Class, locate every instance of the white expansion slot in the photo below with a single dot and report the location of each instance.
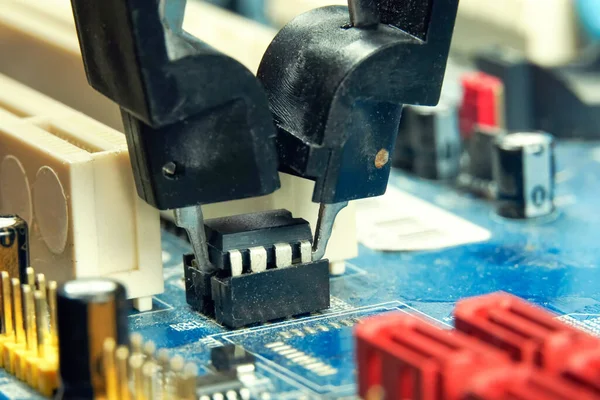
(70, 178)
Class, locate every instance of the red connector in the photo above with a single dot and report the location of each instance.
(408, 358)
(526, 332)
(483, 102)
(533, 336)
(523, 382)
(503, 348)
(583, 368)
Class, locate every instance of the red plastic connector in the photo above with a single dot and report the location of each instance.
(584, 368)
(483, 102)
(533, 336)
(523, 382)
(408, 359)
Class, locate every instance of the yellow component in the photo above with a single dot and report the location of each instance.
(48, 378)
(21, 355)
(9, 348)
(42, 373)
(31, 357)
(3, 339)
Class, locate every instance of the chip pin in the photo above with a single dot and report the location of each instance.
(149, 349)
(30, 330)
(305, 252)
(135, 364)
(17, 310)
(6, 305)
(163, 362)
(187, 383)
(283, 255)
(40, 323)
(258, 259)
(110, 373)
(122, 358)
(43, 305)
(231, 395)
(176, 365)
(245, 394)
(30, 273)
(149, 379)
(136, 343)
(41, 284)
(51, 298)
(218, 396)
(236, 262)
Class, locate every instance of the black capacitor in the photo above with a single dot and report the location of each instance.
(14, 246)
(480, 148)
(524, 172)
(89, 311)
(435, 140)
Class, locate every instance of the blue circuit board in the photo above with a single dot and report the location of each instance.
(552, 262)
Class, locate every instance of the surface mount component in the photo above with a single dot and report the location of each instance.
(234, 366)
(524, 173)
(480, 149)
(230, 358)
(28, 343)
(263, 270)
(89, 311)
(217, 386)
(502, 348)
(477, 172)
(429, 142)
(14, 245)
(69, 177)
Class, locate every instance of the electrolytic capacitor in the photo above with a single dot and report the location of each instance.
(433, 140)
(14, 246)
(89, 312)
(524, 171)
(480, 148)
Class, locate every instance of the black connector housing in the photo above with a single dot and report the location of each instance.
(273, 294)
(256, 297)
(198, 293)
(262, 229)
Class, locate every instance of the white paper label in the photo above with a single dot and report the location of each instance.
(398, 221)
